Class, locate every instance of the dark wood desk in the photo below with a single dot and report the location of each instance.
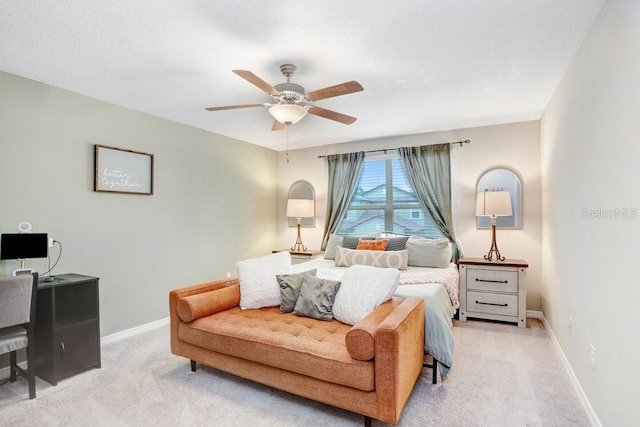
(67, 326)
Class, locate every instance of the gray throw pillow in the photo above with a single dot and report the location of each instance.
(397, 243)
(290, 285)
(423, 252)
(316, 298)
(332, 244)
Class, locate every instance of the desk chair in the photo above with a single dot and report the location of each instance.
(17, 324)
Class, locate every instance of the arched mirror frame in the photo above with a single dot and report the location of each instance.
(302, 189)
(507, 179)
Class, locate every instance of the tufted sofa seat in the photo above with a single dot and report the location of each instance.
(369, 368)
(267, 336)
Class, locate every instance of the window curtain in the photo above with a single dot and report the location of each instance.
(344, 172)
(429, 171)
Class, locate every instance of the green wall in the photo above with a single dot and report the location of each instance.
(215, 198)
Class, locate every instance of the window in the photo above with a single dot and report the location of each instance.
(384, 201)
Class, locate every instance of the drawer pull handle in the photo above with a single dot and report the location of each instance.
(62, 350)
(492, 303)
(491, 281)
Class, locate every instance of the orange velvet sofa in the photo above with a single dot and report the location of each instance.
(370, 368)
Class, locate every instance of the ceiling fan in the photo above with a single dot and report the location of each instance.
(292, 102)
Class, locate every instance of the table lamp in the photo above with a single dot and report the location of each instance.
(493, 204)
(298, 209)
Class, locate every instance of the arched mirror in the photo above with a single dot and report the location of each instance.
(502, 179)
(303, 190)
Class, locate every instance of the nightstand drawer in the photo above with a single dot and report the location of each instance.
(492, 280)
(480, 302)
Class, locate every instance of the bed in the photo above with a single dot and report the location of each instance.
(439, 289)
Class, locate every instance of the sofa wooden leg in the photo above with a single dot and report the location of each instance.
(193, 366)
(367, 421)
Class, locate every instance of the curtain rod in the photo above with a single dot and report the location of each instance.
(384, 150)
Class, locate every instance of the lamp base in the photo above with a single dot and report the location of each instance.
(494, 246)
(298, 246)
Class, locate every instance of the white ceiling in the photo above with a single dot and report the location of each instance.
(426, 65)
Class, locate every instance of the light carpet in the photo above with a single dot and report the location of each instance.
(502, 376)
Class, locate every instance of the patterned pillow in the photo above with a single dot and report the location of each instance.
(397, 243)
(316, 298)
(363, 289)
(386, 259)
(373, 245)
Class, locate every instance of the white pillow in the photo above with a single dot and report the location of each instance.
(425, 252)
(392, 259)
(257, 276)
(362, 289)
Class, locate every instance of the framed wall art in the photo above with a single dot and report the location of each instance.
(118, 170)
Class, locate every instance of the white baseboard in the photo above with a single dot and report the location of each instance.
(535, 314)
(108, 339)
(593, 417)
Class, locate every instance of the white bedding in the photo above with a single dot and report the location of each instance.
(437, 286)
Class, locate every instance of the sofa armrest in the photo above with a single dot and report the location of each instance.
(204, 304)
(177, 294)
(360, 339)
(399, 343)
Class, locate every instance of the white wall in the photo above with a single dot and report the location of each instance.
(214, 201)
(516, 146)
(590, 156)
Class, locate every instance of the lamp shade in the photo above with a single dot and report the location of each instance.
(493, 203)
(299, 208)
(288, 114)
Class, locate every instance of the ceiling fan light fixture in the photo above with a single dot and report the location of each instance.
(288, 114)
(292, 101)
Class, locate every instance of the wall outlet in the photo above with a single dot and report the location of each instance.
(593, 357)
(50, 243)
(570, 324)
(228, 274)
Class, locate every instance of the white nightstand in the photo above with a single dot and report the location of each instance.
(493, 290)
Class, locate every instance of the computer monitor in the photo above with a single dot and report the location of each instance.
(24, 245)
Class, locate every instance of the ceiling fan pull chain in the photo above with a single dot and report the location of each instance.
(286, 153)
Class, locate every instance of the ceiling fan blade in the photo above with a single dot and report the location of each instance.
(257, 81)
(277, 125)
(332, 115)
(233, 107)
(337, 90)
